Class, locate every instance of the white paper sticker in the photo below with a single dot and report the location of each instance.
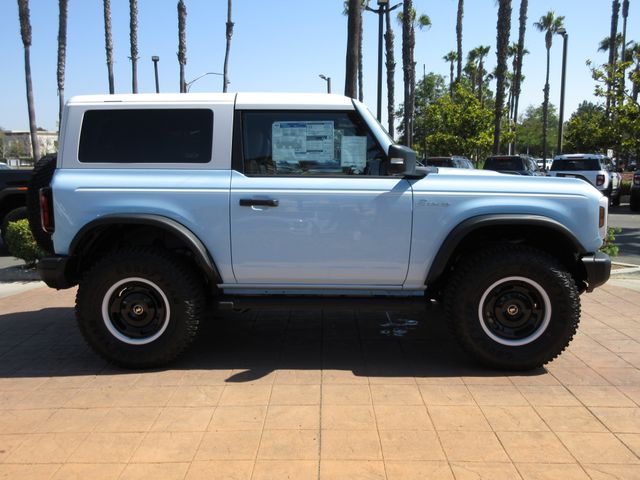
(354, 153)
(303, 140)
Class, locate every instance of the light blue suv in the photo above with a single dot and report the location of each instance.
(162, 206)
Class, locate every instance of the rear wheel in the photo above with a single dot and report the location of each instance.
(140, 307)
(512, 307)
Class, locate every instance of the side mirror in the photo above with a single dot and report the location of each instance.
(402, 161)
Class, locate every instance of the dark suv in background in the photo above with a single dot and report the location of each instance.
(634, 200)
(513, 164)
(449, 162)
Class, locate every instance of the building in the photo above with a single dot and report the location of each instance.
(17, 144)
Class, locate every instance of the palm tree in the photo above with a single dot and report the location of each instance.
(517, 78)
(450, 57)
(182, 43)
(62, 53)
(625, 14)
(549, 24)
(353, 46)
(613, 51)
(482, 52)
(502, 44)
(410, 20)
(634, 49)
(108, 43)
(229, 32)
(391, 71)
(25, 32)
(459, 37)
(133, 37)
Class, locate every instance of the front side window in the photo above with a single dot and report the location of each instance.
(146, 136)
(309, 143)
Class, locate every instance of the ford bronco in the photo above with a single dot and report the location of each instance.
(161, 207)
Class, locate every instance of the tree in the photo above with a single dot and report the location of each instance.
(108, 44)
(229, 33)
(586, 129)
(62, 54)
(502, 43)
(25, 32)
(456, 125)
(353, 46)
(634, 76)
(450, 57)
(613, 50)
(182, 43)
(133, 37)
(410, 20)
(625, 15)
(530, 137)
(389, 38)
(549, 24)
(459, 37)
(517, 78)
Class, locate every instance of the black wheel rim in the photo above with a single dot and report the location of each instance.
(515, 311)
(135, 311)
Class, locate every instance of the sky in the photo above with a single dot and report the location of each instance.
(278, 46)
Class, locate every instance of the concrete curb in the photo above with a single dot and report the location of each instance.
(627, 270)
(18, 274)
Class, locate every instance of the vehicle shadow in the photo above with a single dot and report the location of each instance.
(254, 344)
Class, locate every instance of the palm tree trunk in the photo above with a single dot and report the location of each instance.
(391, 71)
(360, 79)
(613, 50)
(451, 79)
(25, 32)
(625, 14)
(108, 44)
(351, 68)
(502, 42)
(459, 37)
(133, 37)
(182, 43)
(524, 4)
(229, 34)
(408, 67)
(62, 54)
(545, 113)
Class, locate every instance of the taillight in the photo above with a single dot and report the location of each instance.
(46, 210)
(600, 180)
(636, 179)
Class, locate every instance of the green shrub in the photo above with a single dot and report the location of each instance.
(625, 187)
(609, 247)
(21, 244)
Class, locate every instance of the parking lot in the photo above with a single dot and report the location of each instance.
(331, 395)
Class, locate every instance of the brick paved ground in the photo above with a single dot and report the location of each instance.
(301, 395)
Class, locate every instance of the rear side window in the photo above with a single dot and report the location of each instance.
(146, 136)
(504, 163)
(575, 164)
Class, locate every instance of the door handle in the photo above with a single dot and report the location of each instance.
(258, 202)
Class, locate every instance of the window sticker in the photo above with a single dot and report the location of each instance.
(303, 141)
(354, 153)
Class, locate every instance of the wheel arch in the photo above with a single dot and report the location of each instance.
(538, 231)
(96, 235)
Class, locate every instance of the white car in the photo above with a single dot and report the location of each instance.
(594, 168)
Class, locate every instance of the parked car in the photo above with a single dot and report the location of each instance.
(160, 214)
(634, 199)
(513, 164)
(449, 162)
(594, 168)
(13, 196)
(632, 165)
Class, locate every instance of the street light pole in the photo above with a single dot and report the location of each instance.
(155, 59)
(328, 80)
(565, 39)
(383, 6)
(188, 84)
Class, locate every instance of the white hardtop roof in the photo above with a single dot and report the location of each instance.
(242, 100)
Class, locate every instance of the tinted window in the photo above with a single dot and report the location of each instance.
(575, 164)
(146, 136)
(309, 143)
(440, 162)
(504, 163)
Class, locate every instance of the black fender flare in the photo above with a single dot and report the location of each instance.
(201, 255)
(470, 225)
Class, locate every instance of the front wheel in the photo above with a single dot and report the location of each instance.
(139, 307)
(512, 307)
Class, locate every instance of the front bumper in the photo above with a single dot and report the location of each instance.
(57, 272)
(598, 269)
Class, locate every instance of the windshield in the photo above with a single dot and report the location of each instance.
(575, 164)
(378, 130)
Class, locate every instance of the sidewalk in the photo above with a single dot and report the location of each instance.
(308, 395)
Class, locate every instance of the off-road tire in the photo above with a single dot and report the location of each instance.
(14, 215)
(40, 178)
(150, 278)
(476, 322)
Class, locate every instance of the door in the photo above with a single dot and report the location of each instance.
(313, 205)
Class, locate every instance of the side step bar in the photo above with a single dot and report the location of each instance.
(288, 302)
